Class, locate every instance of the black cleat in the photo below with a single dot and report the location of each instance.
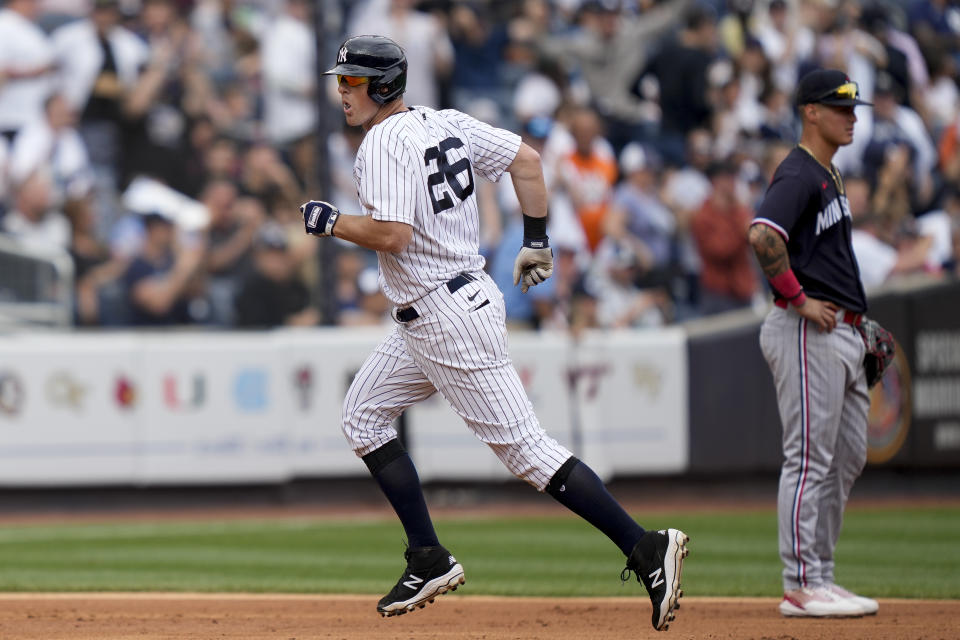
(657, 559)
(430, 572)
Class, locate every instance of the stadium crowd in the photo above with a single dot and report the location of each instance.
(659, 125)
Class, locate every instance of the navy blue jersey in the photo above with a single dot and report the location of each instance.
(808, 207)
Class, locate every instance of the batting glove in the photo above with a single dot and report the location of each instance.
(533, 265)
(319, 217)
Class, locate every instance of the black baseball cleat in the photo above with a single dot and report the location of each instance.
(430, 572)
(657, 559)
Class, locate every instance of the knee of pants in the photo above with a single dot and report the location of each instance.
(534, 459)
(365, 427)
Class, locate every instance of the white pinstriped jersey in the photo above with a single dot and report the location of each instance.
(419, 167)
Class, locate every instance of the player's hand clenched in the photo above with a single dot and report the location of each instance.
(319, 217)
(532, 266)
(819, 312)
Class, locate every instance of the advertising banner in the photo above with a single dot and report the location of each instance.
(317, 367)
(213, 409)
(632, 392)
(70, 408)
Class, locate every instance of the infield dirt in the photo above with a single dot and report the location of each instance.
(453, 617)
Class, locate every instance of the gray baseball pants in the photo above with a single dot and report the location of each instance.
(823, 401)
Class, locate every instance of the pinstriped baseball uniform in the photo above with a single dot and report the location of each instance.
(419, 167)
(819, 377)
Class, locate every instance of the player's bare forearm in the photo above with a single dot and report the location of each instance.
(770, 249)
(378, 235)
(527, 175)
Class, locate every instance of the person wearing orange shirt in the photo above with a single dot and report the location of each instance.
(588, 174)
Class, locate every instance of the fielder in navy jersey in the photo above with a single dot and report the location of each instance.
(416, 173)
(802, 238)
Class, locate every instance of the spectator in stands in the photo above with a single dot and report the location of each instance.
(163, 282)
(171, 90)
(588, 173)
(719, 229)
(226, 30)
(100, 62)
(221, 160)
(478, 80)
(27, 66)
(32, 221)
(896, 124)
(620, 303)
(843, 44)
(233, 226)
(638, 218)
(288, 54)
(264, 176)
(934, 23)
(905, 61)
(342, 148)
(878, 259)
(425, 41)
(787, 42)
(96, 271)
(680, 67)
(684, 192)
(891, 179)
(271, 293)
(51, 143)
(608, 50)
(359, 299)
(941, 101)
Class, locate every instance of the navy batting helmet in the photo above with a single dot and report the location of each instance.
(375, 57)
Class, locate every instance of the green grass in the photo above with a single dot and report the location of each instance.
(902, 552)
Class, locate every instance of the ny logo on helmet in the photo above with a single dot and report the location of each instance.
(342, 56)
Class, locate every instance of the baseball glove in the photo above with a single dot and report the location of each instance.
(880, 350)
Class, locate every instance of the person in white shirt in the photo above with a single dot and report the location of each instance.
(32, 222)
(52, 143)
(26, 66)
(878, 260)
(98, 58)
(100, 65)
(288, 52)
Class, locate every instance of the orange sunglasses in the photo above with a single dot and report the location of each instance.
(353, 81)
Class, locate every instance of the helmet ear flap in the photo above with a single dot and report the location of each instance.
(390, 85)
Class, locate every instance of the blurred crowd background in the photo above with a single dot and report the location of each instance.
(659, 125)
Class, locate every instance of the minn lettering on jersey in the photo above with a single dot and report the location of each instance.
(834, 213)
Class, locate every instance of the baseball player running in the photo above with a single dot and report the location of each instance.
(801, 236)
(416, 172)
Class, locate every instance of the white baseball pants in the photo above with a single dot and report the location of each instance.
(457, 346)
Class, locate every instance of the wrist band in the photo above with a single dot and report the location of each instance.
(787, 286)
(534, 228)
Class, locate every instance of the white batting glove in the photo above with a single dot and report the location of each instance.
(532, 266)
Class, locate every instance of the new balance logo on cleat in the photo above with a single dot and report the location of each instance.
(657, 560)
(431, 571)
(413, 582)
(658, 580)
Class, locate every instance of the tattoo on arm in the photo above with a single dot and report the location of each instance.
(771, 250)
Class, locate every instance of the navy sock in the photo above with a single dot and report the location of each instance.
(393, 470)
(578, 488)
